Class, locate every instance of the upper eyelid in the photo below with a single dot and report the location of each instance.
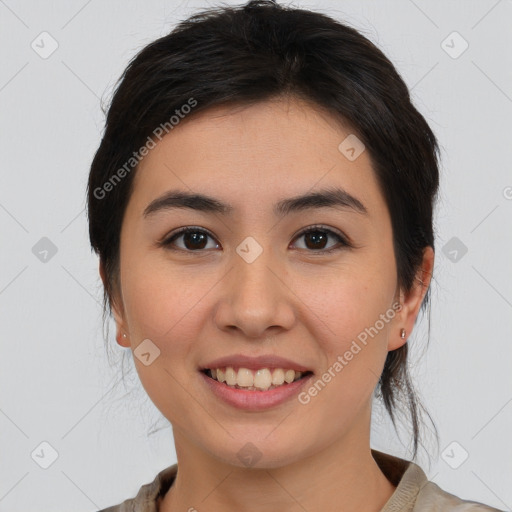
(183, 230)
(321, 227)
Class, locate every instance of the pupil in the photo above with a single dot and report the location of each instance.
(194, 239)
(316, 236)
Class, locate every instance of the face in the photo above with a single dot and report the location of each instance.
(251, 281)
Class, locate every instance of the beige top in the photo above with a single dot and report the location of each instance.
(413, 493)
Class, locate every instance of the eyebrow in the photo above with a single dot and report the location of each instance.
(333, 197)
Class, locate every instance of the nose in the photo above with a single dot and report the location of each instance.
(256, 299)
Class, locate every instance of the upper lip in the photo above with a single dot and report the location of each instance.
(255, 363)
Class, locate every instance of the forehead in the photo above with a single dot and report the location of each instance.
(249, 154)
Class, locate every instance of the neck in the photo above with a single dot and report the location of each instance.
(343, 476)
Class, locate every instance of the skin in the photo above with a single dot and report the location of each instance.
(291, 301)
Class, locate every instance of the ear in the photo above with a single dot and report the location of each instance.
(411, 301)
(118, 314)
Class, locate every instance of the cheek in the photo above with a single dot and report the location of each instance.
(164, 306)
(353, 358)
(354, 296)
(161, 299)
(359, 327)
(358, 312)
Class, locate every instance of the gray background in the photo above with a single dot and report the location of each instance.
(56, 385)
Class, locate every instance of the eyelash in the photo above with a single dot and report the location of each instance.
(167, 242)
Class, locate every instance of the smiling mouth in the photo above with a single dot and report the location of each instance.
(263, 379)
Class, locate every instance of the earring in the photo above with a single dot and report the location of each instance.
(402, 333)
(124, 335)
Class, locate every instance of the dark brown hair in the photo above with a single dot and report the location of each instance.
(256, 52)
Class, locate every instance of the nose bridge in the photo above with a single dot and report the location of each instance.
(255, 299)
(253, 279)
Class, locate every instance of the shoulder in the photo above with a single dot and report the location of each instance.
(147, 496)
(432, 497)
(416, 493)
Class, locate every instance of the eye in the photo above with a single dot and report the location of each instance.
(316, 237)
(194, 239)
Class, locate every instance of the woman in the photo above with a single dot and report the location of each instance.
(261, 203)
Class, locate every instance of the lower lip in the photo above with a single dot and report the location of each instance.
(255, 400)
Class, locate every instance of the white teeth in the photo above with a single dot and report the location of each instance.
(245, 378)
(230, 376)
(278, 377)
(262, 379)
(289, 375)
